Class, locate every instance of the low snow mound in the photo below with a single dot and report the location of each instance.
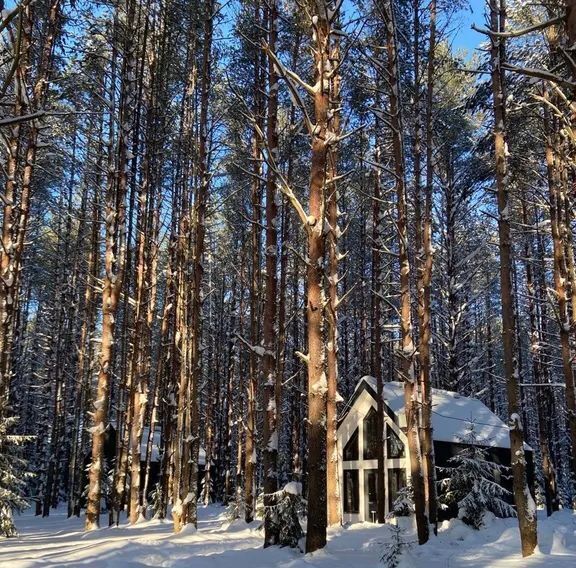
(293, 488)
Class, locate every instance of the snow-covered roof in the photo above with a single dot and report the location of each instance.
(451, 413)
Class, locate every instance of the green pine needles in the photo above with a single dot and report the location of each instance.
(14, 477)
(472, 483)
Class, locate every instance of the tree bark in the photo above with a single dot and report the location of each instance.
(332, 279)
(114, 265)
(556, 189)
(525, 507)
(538, 371)
(407, 350)
(272, 382)
(315, 309)
(424, 290)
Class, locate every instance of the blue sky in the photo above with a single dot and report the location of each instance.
(465, 37)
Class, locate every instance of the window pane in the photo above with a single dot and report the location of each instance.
(371, 435)
(351, 448)
(351, 491)
(395, 447)
(371, 493)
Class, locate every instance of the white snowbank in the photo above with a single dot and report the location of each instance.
(57, 541)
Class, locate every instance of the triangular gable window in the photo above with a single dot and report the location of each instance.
(351, 448)
(371, 435)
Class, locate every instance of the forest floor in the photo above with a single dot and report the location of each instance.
(58, 541)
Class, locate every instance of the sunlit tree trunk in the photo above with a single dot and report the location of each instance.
(424, 289)
(272, 381)
(332, 280)
(406, 350)
(114, 266)
(525, 507)
(556, 188)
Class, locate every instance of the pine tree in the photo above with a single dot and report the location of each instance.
(14, 476)
(472, 483)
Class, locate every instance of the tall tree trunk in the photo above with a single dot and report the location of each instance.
(333, 258)
(377, 321)
(555, 187)
(525, 507)
(201, 203)
(538, 372)
(323, 143)
(407, 350)
(250, 451)
(179, 436)
(114, 265)
(424, 290)
(83, 364)
(272, 382)
(146, 227)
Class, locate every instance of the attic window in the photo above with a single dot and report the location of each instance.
(371, 435)
(351, 448)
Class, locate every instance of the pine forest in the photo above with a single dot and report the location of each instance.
(280, 277)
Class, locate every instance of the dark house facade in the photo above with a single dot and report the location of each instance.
(358, 437)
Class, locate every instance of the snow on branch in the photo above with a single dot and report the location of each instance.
(539, 74)
(257, 349)
(523, 31)
(11, 120)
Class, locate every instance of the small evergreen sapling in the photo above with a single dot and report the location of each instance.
(403, 505)
(157, 498)
(471, 483)
(392, 551)
(285, 511)
(14, 477)
(235, 508)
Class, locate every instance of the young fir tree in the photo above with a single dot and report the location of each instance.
(472, 484)
(403, 505)
(13, 477)
(283, 513)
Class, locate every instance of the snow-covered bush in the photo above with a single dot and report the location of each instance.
(392, 551)
(471, 483)
(206, 491)
(403, 505)
(284, 511)
(259, 509)
(157, 498)
(14, 477)
(235, 508)
(540, 495)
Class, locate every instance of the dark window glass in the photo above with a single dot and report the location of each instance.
(351, 448)
(371, 493)
(396, 480)
(351, 491)
(371, 435)
(395, 446)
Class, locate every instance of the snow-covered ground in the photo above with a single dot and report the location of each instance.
(58, 541)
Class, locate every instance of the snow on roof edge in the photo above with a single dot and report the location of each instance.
(450, 412)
